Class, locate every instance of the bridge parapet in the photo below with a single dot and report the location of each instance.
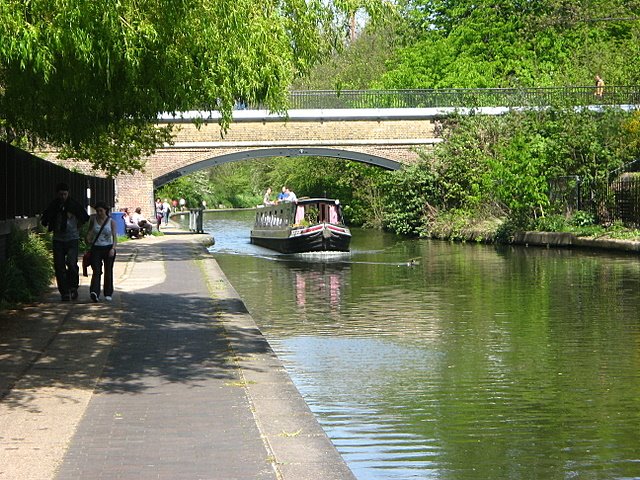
(460, 97)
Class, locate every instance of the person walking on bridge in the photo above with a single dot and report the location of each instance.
(599, 93)
(64, 216)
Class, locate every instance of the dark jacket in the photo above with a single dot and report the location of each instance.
(54, 217)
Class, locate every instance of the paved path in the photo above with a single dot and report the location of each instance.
(172, 380)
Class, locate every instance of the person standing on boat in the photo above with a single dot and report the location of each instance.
(266, 200)
(290, 196)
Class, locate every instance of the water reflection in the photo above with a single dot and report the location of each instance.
(323, 284)
(474, 363)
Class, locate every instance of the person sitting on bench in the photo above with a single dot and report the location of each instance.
(131, 229)
(142, 222)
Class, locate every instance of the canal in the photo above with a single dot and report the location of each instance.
(428, 359)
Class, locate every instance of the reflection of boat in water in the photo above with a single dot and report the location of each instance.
(310, 225)
(318, 285)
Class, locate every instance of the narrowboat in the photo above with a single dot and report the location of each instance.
(308, 225)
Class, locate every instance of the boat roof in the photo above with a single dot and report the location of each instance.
(316, 200)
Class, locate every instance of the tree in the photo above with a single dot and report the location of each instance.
(502, 43)
(84, 75)
(358, 66)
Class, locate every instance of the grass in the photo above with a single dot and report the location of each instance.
(462, 226)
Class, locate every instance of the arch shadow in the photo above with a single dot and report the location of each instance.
(278, 152)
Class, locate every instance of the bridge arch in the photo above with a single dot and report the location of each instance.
(213, 161)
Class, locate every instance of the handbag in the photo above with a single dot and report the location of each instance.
(86, 258)
(86, 261)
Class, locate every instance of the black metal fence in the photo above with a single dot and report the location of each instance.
(625, 193)
(618, 199)
(27, 184)
(461, 97)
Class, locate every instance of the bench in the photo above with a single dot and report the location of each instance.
(133, 231)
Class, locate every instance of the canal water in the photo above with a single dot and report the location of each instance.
(428, 359)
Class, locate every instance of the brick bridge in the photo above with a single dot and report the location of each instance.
(388, 138)
(384, 128)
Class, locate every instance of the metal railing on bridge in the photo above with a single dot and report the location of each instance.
(460, 97)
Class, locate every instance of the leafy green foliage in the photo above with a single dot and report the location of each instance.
(550, 223)
(194, 188)
(497, 167)
(121, 148)
(88, 75)
(519, 173)
(504, 43)
(28, 271)
(412, 196)
(359, 66)
(582, 218)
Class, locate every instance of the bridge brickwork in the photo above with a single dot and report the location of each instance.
(374, 137)
(205, 145)
(198, 147)
(307, 130)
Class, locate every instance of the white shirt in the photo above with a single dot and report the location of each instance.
(106, 235)
(137, 218)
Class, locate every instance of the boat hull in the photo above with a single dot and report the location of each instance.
(324, 238)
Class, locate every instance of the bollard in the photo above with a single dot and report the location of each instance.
(195, 220)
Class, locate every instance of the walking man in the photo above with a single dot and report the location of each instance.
(599, 87)
(64, 216)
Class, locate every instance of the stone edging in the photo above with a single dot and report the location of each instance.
(559, 239)
(299, 446)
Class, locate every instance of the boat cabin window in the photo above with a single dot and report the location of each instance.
(319, 212)
(333, 214)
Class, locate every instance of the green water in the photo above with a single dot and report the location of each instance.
(472, 362)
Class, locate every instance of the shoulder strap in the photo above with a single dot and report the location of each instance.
(99, 231)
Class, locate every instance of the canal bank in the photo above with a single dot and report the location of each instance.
(569, 240)
(171, 380)
(414, 368)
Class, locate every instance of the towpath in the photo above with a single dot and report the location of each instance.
(172, 380)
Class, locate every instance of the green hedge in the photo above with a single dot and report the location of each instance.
(28, 270)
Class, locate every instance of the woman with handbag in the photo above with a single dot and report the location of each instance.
(103, 237)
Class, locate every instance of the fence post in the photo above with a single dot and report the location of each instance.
(579, 191)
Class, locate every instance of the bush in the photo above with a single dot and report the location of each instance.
(411, 195)
(582, 219)
(13, 286)
(28, 271)
(551, 223)
(506, 231)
